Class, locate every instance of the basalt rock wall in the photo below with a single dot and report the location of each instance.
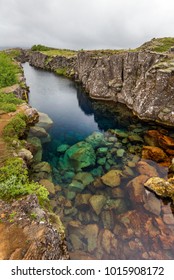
(144, 81)
(52, 63)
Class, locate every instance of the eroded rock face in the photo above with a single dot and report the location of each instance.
(26, 233)
(135, 79)
(43, 61)
(141, 80)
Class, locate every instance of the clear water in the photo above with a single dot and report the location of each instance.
(122, 228)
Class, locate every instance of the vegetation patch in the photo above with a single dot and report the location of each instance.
(8, 102)
(158, 44)
(14, 182)
(8, 70)
(52, 51)
(40, 48)
(61, 71)
(15, 128)
(60, 52)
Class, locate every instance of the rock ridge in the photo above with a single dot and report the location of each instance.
(143, 80)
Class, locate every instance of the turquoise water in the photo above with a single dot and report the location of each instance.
(123, 221)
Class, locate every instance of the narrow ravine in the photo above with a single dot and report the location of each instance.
(97, 168)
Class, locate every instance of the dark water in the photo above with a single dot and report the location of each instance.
(74, 115)
(121, 222)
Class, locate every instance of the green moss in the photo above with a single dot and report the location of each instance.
(15, 128)
(61, 71)
(10, 98)
(8, 70)
(8, 102)
(60, 52)
(40, 48)
(14, 182)
(52, 51)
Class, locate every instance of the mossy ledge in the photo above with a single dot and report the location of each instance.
(142, 78)
(24, 203)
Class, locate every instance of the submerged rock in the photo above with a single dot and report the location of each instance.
(135, 138)
(62, 148)
(44, 121)
(107, 218)
(120, 152)
(42, 167)
(112, 178)
(84, 177)
(146, 169)
(136, 189)
(38, 132)
(48, 185)
(153, 204)
(97, 202)
(154, 153)
(97, 172)
(41, 170)
(76, 186)
(35, 147)
(91, 234)
(96, 139)
(119, 133)
(118, 205)
(80, 155)
(82, 201)
(157, 139)
(162, 187)
(108, 241)
(101, 161)
(102, 150)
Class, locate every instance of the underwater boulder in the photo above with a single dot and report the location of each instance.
(112, 178)
(96, 139)
(80, 155)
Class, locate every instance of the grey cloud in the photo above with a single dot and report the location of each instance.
(84, 24)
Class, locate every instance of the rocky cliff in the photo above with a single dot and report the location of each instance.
(27, 234)
(141, 79)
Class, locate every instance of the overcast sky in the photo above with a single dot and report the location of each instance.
(87, 24)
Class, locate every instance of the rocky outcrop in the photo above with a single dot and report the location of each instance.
(142, 80)
(53, 63)
(27, 234)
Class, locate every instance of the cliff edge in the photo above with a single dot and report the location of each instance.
(143, 78)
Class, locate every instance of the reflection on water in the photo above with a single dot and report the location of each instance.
(99, 174)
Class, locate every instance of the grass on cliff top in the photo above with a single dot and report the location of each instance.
(158, 44)
(15, 128)
(53, 52)
(8, 70)
(8, 102)
(14, 182)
